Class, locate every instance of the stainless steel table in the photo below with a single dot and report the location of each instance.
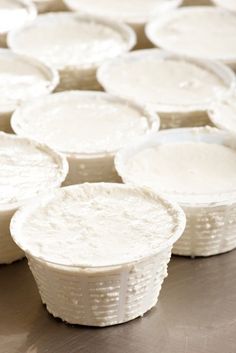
(196, 313)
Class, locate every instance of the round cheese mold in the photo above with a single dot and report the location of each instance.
(21, 78)
(226, 4)
(214, 33)
(87, 127)
(99, 252)
(27, 169)
(73, 44)
(49, 5)
(135, 13)
(14, 14)
(197, 168)
(223, 114)
(178, 88)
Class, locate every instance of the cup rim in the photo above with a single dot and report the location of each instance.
(128, 34)
(50, 74)
(219, 69)
(155, 24)
(151, 117)
(61, 161)
(179, 220)
(181, 134)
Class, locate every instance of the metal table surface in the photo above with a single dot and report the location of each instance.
(196, 313)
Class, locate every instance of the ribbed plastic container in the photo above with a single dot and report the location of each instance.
(170, 42)
(137, 21)
(172, 115)
(103, 296)
(9, 251)
(211, 218)
(15, 62)
(49, 5)
(80, 76)
(21, 20)
(83, 166)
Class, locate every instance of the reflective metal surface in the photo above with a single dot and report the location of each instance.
(196, 313)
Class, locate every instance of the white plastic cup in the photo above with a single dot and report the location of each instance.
(31, 14)
(102, 296)
(85, 167)
(73, 76)
(9, 251)
(211, 225)
(51, 81)
(137, 23)
(171, 115)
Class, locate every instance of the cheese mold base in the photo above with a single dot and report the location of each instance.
(196, 168)
(114, 262)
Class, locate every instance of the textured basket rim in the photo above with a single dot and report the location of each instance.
(179, 220)
(50, 74)
(204, 200)
(127, 33)
(219, 69)
(59, 159)
(155, 24)
(152, 118)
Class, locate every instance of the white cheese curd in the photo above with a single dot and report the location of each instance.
(21, 78)
(98, 252)
(135, 13)
(84, 125)
(14, 14)
(72, 42)
(223, 114)
(227, 4)
(167, 83)
(27, 169)
(197, 168)
(200, 32)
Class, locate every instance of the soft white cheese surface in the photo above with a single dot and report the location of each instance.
(204, 32)
(97, 225)
(13, 14)
(86, 122)
(162, 81)
(20, 80)
(66, 39)
(185, 168)
(227, 4)
(130, 11)
(26, 169)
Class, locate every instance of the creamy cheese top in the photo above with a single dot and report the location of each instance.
(162, 80)
(130, 11)
(66, 39)
(83, 122)
(223, 114)
(14, 13)
(203, 32)
(27, 168)
(21, 79)
(97, 225)
(185, 168)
